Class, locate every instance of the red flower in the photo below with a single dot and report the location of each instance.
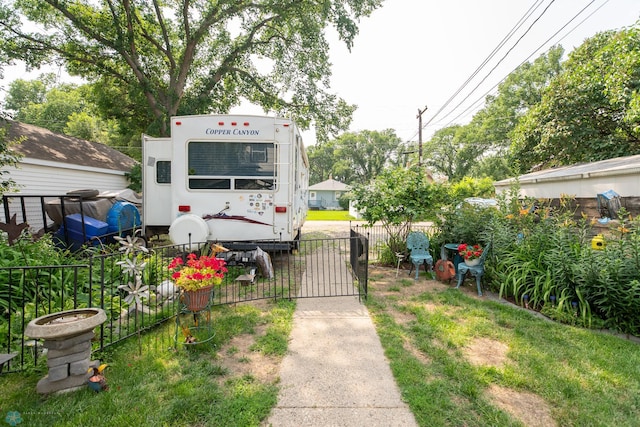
(469, 252)
(196, 272)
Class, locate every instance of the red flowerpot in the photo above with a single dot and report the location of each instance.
(199, 299)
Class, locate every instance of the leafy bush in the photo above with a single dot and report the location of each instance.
(397, 198)
(464, 223)
(471, 187)
(45, 283)
(545, 254)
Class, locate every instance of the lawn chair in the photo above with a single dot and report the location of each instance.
(476, 270)
(418, 246)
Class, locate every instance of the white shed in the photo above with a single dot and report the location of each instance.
(585, 180)
(54, 164)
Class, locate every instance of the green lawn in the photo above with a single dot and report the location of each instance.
(329, 216)
(568, 376)
(201, 385)
(460, 360)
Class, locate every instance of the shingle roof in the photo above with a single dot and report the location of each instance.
(42, 144)
(618, 165)
(329, 185)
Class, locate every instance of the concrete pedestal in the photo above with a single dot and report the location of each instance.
(67, 337)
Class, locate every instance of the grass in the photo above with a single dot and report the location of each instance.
(164, 386)
(329, 216)
(430, 331)
(581, 377)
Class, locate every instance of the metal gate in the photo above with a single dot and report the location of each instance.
(333, 267)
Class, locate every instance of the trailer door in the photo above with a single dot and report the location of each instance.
(156, 181)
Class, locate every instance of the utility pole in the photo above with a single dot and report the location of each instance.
(420, 134)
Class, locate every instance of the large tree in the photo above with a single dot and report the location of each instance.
(53, 113)
(69, 109)
(452, 152)
(21, 93)
(480, 147)
(8, 157)
(521, 90)
(155, 59)
(355, 157)
(361, 156)
(321, 160)
(591, 111)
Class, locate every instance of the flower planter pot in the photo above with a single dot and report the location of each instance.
(472, 262)
(199, 299)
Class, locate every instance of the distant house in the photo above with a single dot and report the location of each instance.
(326, 194)
(54, 164)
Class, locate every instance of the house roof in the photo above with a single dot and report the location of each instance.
(329, 185)
(616, 166)
(42, 144)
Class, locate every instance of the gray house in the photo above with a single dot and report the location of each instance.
(326, 194)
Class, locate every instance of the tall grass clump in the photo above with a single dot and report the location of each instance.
(541, 257)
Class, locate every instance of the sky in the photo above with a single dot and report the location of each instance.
(416, 55)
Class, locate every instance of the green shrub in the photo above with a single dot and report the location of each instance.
(543, 253)
(46, 283)
(611, 278)
(465, 223)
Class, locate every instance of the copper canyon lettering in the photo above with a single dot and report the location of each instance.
(237, 132)
(210, 131)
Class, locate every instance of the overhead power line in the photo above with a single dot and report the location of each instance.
(505, 55)
(521, 21)
(527, 14)
(518, 25)
(482, 97)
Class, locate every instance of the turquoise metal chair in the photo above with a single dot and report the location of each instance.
(477, 270)
(418, 246)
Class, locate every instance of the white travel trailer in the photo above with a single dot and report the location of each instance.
(226, 178)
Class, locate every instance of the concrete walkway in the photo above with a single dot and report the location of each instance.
(335, 372)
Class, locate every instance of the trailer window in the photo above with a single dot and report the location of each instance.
(163, 172)
(248, 165)
(253, 184)
(211, 184)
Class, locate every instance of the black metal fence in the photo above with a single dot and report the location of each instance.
(137, 300)
(387, 239)
(67, 217)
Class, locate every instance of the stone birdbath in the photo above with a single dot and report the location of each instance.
(67, 337)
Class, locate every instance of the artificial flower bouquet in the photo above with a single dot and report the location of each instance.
(197, 272)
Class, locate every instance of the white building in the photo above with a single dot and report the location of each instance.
(585, 180)
(54, 164)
